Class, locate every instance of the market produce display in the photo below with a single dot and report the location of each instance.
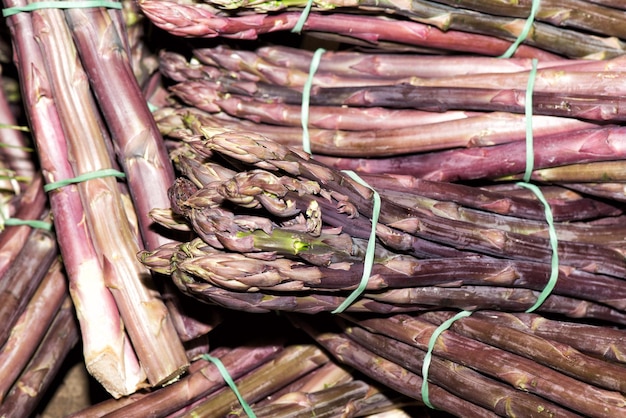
(330, 209)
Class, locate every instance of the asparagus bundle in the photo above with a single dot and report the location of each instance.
(312, 240)
(436, 24)
(402, 341)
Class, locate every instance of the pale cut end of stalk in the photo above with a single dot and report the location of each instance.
(109, 356)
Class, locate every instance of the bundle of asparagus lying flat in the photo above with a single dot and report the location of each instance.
(395, 114)
(305, 250)
(487, 28)
(280, 231)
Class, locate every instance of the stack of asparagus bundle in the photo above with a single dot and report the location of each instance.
(442, 140)
(221, 204)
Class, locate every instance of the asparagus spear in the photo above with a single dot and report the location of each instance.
(579, 14)
(570, 43)
(29, 329)
(594, 339)
(350, 63)
(139, 144)
(44, 366)
(461, 164)
(509, 201)
(21, 281)
(30, 204)
(197, 385)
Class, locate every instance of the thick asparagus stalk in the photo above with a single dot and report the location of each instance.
(197, 385)
(506, 202)
(145, 316)
(30, 327)
(604, 341)
(39, 375)
(354, 64)
(21, 281)
(578, 14)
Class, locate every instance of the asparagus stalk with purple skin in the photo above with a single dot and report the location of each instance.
(32, 263)
(607, 342)
(497, 200)
(579, 14)
(244, 187)
(565, 150)
(608, 190)
(608, 234)
(355, 64)
(145, 316)
(193, 20)
(565, 76)
(30, 327)
(40, 373)
(30, 204)
(566, 42)
(197, 385)
(470, 131)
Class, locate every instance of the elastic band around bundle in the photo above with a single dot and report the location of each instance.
(368, 261)
(229, 381)
(10, 11)
(525, 31)
(107, 172)
(306, 99)
(429, 353)
(47, 226)
(554, 244)
(303, 17)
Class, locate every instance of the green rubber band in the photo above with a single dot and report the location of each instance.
(10, 11)
(368, 261)
(306, 99)
(431, 345)
(28, 222)
(229, 381)
(525, 31)
(554, 273)
(528, 111)
(107, 172)
(303, 17)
